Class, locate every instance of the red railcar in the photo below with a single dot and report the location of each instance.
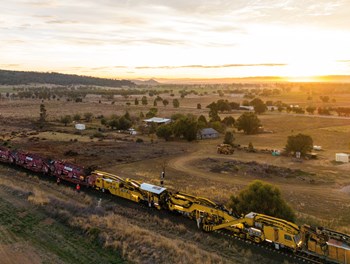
(69, 172)
(6, 155)
(31, 161)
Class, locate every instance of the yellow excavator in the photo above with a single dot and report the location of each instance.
(199, 208)
(259, 227)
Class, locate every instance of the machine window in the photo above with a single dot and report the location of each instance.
(288, 237)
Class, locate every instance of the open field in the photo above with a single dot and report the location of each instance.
(318, 190)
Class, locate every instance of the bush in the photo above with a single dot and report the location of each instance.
(263, 198)
(299, 143)
(249, 123)
(139, 140)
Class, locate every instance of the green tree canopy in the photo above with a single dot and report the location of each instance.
(229, 138)
(67, 119)
(259, 106)
(176, 103)
(248, 122)
(144, 100)
(229, 121)
(263, 198)
(164, 131)
(299, 143)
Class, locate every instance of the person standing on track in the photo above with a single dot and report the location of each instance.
(77, 187)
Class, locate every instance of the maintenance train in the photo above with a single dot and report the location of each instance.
(322, 243)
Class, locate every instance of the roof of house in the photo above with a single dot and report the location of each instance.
(157, 120)
(208, 131)
(152, 188)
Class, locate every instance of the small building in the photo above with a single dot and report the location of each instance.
(246, 107)
(80, 126)
(206, 133)
(342, 157)
(157, 120)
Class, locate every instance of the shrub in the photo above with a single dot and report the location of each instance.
(264, 198)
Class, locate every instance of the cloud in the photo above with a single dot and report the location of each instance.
(213, 66)
(10, 65)
(62, 22)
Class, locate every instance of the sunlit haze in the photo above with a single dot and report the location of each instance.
(177, 39)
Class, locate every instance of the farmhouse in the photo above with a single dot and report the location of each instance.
(157, 120)
(206, 133)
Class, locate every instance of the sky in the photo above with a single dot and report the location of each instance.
(134, 39)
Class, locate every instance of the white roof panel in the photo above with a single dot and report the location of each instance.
(152, 188)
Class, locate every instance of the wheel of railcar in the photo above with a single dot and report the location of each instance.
(257, 239)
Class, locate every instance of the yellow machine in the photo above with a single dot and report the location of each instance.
(259, 227)
(149, 194)
(327, 243)
(199, 208)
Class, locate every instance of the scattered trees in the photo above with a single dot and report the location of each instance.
(299, 143)
(183, 127)
(249, 123)
(264, 198)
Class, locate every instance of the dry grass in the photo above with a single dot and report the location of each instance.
(38, 197)
(140, 245)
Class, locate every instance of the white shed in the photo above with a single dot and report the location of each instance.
(342, 157)
(80, 126)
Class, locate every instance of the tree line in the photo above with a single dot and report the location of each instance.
(26, 77)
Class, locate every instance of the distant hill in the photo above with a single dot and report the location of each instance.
(150, 82)
(26, 77)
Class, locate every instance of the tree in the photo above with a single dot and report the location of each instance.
(43, 114)
(214, 116)
(229, 121)
(186, 127)
(202, 119)
(165, 102)
(263, 198)
(152, 112)
(199, 106)
(324, 99)
(136, 101)
(88, 117)
(176, 103)
(144, 100)
(310, 109)
(67, 119)
(259, 106)
(77, 117)
(124, 123)
(249, 123)
(155, 102)
(299, 143)
(229, 138)
(164, 131)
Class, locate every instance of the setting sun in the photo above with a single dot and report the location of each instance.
(177, 39)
